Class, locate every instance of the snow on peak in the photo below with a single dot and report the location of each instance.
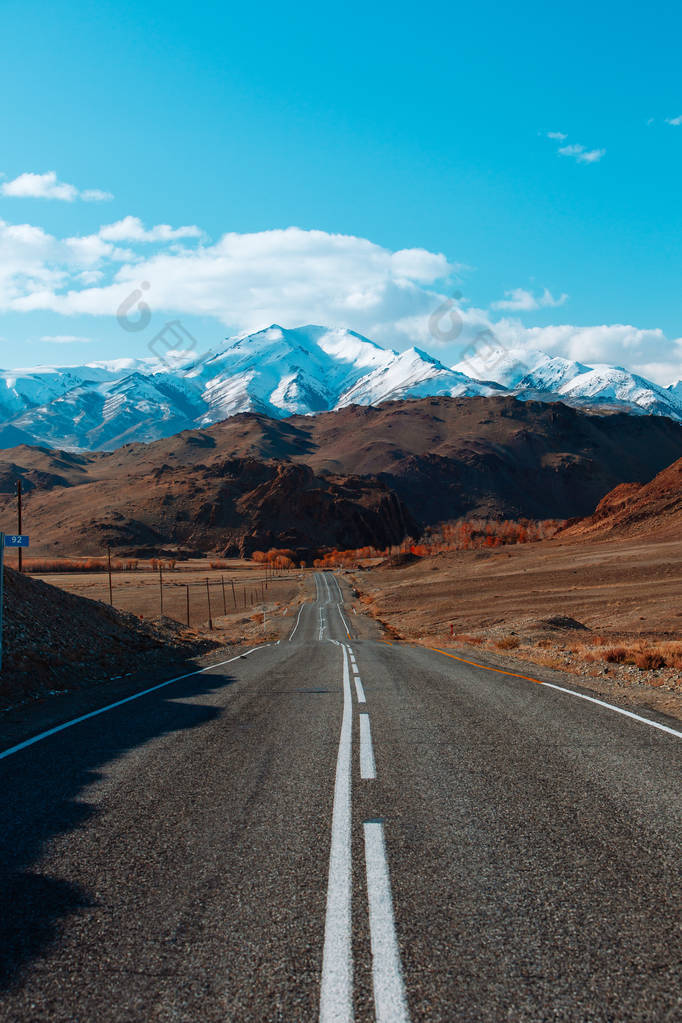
(505, 366)
(281, 371)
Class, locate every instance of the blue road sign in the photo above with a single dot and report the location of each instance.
(16, 541)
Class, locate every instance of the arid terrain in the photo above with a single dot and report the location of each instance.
(61, 635)
(237, 590)
(358, 476)
(606, 611)
(601, 599)
(638, 510)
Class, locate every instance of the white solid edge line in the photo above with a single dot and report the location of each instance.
(336, 989)
(119, 703)
(300, 610)
(343, 619)
(593, 699)
(390, 1003)
(359, 689)
(368, 768)
(610, 706)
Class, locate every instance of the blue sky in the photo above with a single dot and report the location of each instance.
(373, 130)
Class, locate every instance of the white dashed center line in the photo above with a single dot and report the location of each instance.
(367, 765)
(390, 1003)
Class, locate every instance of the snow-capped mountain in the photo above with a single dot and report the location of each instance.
(413, 374)
(276, 371)
(280, 372)
(535, 375)
(613, 385)
(520, 368)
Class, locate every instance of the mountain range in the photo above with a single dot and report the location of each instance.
(361, 475)
(281, 372)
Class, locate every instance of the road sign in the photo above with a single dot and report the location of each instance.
(16, 541)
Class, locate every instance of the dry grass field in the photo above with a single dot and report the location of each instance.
(609, 611)
(244, 603)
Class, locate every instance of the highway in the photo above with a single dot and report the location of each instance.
(343, 828)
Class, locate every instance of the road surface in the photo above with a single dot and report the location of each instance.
(338, 828)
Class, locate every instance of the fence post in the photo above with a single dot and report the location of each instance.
(161, 586)
(222, 580)
(208, 595)
(187, 585)
(234, 594)
(111, 592)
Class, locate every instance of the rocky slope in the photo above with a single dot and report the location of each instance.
(360, 476)
(56, 641)
(651, 509)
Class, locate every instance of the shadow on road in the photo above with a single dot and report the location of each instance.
(40, 800)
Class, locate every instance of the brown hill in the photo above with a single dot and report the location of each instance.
(57, 640)
(145, 505)
(651, 509)
(350, 478)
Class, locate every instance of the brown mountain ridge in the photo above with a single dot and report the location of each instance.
(651, 509)
(358, 476)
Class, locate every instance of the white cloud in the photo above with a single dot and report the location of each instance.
(65, 339)
(90, 277)
(557, 136)
(96, 195)
(243, 280)
(520, 300)
(47, 186)
(420, 265)
(645, 351)
(675, 121)
(581, 154)
(131, 229)
(294, 276)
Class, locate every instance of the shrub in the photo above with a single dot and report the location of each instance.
(508, 643)
(649, 660)
(464, 637)
(616, 655)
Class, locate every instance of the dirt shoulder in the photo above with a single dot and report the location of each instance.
(66, 655)
(601, 615)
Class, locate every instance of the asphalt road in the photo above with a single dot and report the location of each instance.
(338, 828)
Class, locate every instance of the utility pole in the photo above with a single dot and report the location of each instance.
(2, 590)
(208, 595)
(111, 590)
(20, 552)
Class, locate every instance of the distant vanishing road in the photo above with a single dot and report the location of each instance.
(338, 828)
